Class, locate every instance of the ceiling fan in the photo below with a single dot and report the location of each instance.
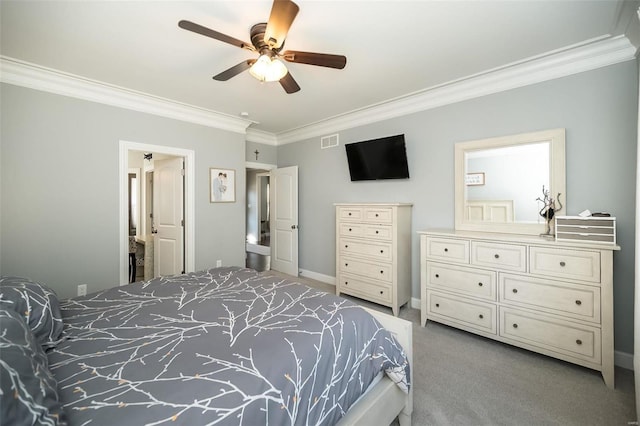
(267, 39)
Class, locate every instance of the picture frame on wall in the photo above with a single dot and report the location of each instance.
(474, 179)
(222, 185)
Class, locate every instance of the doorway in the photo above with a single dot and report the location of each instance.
(272, 218)
(146, 177)
(258, 233)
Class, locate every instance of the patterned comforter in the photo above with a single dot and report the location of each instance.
(225, 346)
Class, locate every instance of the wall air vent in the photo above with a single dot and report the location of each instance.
(329, 141)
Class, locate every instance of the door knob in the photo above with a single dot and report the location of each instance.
(294, 226)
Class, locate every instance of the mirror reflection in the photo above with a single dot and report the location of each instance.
(499, 181)
(489, 190)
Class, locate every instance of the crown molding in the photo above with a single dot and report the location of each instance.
(20, 73)
(260, 136)
(569, 61)
(555, 65)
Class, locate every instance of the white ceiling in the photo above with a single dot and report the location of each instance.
(393, 48)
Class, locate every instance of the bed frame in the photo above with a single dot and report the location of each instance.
(386, 401)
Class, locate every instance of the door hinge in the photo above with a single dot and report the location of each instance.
(182, 172)
(182, 222)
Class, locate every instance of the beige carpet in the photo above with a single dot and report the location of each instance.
(464, 379)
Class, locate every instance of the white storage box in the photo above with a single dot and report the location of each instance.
(586, 229)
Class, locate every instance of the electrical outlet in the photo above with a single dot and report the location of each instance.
(82, 290)
(218, 263)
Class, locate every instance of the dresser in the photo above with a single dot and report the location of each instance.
(551, 297)
(373, 252)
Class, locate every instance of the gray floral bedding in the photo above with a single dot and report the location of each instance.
(225, 346)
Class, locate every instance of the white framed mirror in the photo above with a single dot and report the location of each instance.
(498, 181)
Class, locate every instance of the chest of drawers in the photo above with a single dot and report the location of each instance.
(373, 252)
(551, 297)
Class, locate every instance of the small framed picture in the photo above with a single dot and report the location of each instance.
(222, 185)
(472, 179)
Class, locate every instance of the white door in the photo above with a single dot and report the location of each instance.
(168, 241)
(284, 220)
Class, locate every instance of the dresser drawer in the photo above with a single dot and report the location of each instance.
(359, 287)
(511, 257)
(470, 313)
(361, 230)
(448, 249)
(378, 214)
(350, 213)
(458, 279)
(566, 338)
(378, 271)
(563, 263)
(372, 249)
(554, 297)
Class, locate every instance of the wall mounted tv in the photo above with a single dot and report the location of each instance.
(384, 158)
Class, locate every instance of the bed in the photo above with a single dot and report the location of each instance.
(221, 346)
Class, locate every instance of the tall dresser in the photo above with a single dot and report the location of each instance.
(373, 252)
(551, 297)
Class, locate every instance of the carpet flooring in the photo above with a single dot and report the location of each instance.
(463, 379)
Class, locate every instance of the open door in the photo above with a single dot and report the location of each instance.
(284, 220)
(168, 213)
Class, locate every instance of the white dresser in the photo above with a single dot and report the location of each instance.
(373, 252)
(551, 297)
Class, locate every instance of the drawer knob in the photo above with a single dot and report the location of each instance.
(480, 316)
(349, 229)
(437, 305)
(446, 249)
(376, 214)
(515, 290)
(437, 275)
(349, 213)
(381, 292)
(497, 256)
(479, 284)
(377, 232)
(515, 325)
(579, 342)
(346, 283)
(346, 264)
(381, 251)
(346, 246)
(382, 272)
(578, 302)
(562, 263)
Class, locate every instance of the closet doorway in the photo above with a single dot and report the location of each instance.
(258, 232)
(272, 218)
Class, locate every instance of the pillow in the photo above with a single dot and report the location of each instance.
(37, 303)
(28, 390)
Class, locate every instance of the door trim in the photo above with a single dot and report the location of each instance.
(189, 201)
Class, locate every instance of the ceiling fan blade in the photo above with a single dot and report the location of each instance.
(283, 12)
(289, 84)
(311, 58)
(235, 70)
(208, 32)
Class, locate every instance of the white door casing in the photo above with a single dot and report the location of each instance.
(168, 241)
(284, 220)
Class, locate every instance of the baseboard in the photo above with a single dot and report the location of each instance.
(328, 279)
(623, 360)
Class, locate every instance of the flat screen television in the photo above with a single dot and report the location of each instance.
(384, 158)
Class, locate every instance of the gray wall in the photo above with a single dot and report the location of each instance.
(599, 111)
(59, 177)
(267, 153)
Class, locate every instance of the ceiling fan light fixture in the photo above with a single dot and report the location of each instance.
(268, 69)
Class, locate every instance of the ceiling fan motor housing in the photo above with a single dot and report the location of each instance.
(257, 39)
